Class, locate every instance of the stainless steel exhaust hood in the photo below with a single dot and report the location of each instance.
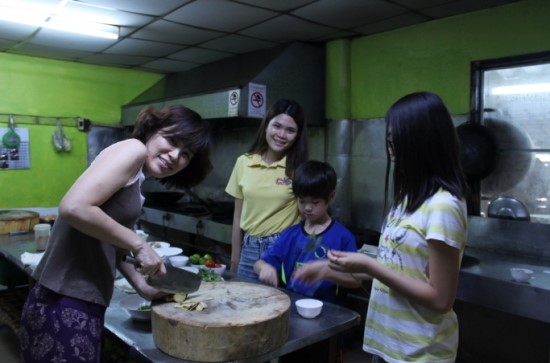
(244, 86)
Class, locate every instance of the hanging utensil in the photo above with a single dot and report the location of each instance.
(11, 140)
(60, 141)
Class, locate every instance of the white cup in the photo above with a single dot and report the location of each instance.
(521, 274)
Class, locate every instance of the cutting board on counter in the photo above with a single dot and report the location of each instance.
(17, 220)
(241, 320)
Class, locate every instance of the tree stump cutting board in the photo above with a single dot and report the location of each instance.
(241, 320)
(17, 220)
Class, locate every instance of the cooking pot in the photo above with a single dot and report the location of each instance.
(479, 151)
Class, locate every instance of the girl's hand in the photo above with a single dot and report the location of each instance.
(349, 261)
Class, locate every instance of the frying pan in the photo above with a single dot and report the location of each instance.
(479, 151)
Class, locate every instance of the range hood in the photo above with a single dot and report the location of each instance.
(244, 86)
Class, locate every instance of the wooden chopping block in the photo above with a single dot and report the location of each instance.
(241, 320)
(17, 220)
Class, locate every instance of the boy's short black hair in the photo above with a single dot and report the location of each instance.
(314, 179)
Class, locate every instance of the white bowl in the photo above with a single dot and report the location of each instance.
(309, 308)
(217, 270)
(159, 244)
(179, 260)
(142, 234)
(132, 304)
(521, 274)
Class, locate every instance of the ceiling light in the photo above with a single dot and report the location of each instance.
(49, 18)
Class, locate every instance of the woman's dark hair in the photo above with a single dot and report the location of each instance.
(298, 152)
(426, 150)
(183, 125)
(314, 179)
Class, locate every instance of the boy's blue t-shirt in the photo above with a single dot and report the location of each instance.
(295, 247)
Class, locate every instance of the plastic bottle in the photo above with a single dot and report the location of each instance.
(41, 235)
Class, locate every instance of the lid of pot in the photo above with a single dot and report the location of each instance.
(506, 207)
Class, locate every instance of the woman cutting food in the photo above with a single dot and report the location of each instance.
(62, 319)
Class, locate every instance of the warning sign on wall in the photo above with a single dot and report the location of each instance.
(256, 100)
(233, 103)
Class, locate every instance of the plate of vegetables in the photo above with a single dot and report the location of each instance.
(137, 307)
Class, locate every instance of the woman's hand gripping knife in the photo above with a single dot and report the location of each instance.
(137, 275)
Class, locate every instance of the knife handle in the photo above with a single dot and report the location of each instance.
(131, 260)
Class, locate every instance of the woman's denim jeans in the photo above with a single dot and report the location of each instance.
(252, 249)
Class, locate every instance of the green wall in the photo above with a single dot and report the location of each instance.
(434, 56)
(49, 88)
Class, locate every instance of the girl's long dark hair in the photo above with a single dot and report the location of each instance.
(426, 150)
(298, 152)
(185, 126)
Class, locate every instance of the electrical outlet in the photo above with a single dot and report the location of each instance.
(83, 124)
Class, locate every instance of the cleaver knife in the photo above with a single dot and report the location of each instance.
(174, 281)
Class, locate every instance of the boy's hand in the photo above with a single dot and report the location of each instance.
(268, 275)
(311, 272)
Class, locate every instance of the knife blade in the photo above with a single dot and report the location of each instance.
(175, 280)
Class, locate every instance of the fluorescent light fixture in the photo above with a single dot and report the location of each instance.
(49, 18)
(521, 89)
(543, 157)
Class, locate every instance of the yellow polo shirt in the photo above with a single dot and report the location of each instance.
(268, 203)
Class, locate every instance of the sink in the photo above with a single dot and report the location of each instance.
(468, 261)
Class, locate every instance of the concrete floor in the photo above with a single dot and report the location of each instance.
(9, 348)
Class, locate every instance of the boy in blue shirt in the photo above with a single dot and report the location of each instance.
(305, 245)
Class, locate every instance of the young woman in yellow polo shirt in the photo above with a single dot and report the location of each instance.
(261, 183)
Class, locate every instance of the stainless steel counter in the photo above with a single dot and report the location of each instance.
(489, 283)
(302, 332)
(333, 320)
(486, 282)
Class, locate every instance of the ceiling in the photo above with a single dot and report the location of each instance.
(176, 35)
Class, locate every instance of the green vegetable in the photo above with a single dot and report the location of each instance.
(209, 275)
(144, 307)
(207, 257)
(195, 259)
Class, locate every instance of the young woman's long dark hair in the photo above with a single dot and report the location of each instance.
(185, 126)
(298, 152)
(426, 150)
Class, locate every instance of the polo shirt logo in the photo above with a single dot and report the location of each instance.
(283, 181)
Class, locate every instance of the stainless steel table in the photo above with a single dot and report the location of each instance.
(333, 320)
